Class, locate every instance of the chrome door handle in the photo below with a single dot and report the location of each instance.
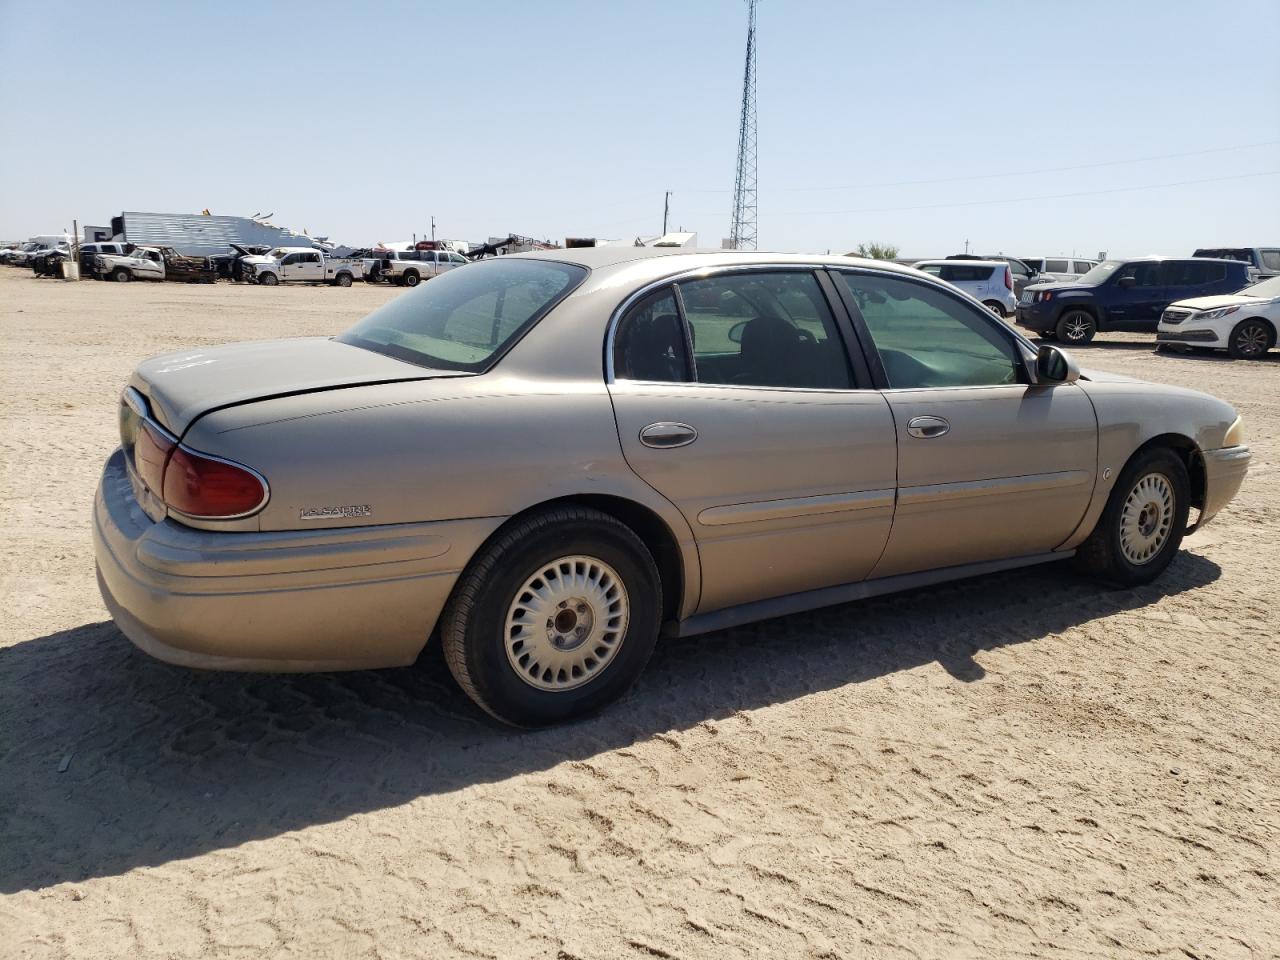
(666, 434)
(926, 428)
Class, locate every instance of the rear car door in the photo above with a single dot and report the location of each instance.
(735, 399)
(989, 466)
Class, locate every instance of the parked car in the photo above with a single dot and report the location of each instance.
(48, 263)
(154, 263)
(989, 281)
(90, 250)
(1123, 295)
(410, 267)
(1244, 324)
(1023, 273)
(300, 265)
(1263, 261)
(1049, 269)
(547, 460)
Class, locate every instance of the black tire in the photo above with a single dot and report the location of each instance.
(268, 280)
(411, 278)
(474, 623)
(1250, 339)
(995, 307)
(121, 275)
(1076, 327)
(342, 280)
(1103, 554)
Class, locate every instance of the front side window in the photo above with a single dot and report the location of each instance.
(465, 319)
(764, 330)
(928, 338)
(1144, 274)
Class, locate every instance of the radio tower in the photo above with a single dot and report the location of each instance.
(742, 231)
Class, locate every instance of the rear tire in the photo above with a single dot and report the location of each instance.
(1249, 340)
(411, 279)
(342, 280)
(121, 275)
(534, 636)
(995, 307)
(1143, 524)
(1076, 327)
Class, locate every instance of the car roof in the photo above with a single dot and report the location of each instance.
(1174, 259)
(658, 262)
(963, 263)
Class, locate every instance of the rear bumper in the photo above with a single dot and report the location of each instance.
(340, 599)
(1224, 472)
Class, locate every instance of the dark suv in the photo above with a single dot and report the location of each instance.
(1123, 295)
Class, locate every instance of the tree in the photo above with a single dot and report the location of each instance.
(875, 251)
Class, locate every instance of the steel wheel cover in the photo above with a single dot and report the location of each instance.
(566, 623)
(1252, 340)
(1147, 518)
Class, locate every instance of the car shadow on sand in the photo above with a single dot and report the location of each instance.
(112, 760)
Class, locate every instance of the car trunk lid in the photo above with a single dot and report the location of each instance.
(180, 387)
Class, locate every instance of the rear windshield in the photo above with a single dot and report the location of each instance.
(465, 319)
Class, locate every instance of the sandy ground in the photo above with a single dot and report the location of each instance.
(1023, 765)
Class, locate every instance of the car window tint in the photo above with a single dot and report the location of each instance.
(649, 343)
(964, 273)
(1035, 263)
(1271, 260)
(1057, 266)
(928, 338)
(931, 268)
(1143, 273)
(764, 330)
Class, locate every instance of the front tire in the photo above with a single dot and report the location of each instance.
(1076, 327)
(268, 280)
(1249, 340)
(1143, 524)
(553, 619)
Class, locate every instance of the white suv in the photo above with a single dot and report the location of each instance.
(990, 281)
(1059, 268)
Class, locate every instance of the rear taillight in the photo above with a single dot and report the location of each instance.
(151, 449)
(1008, 279)
(210, 488)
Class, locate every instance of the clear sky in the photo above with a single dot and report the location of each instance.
(920, 123)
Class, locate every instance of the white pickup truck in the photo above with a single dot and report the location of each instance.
(300, 265)
(154, 263)
(408, 268)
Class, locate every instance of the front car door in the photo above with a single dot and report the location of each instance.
(735, 399)
(1135, 296)
(989, 466)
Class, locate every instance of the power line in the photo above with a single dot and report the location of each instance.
(1020, 173)
(1047, 196)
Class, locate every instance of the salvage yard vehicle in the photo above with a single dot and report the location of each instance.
(1123, 295)
(300, 265)
(408, 268)
(548, 460)
(1245, 324)
(987, 281)
(1264, 262)
(1049, 269)
(90, 250)
(154, 263)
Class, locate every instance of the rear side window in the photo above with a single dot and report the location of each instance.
(1083, 266)
(965, 273)
(1271, 260)
(1189, 273)
(650, 344)
(1057, 266)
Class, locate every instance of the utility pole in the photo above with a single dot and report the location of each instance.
(666, 209)
(966, 244)
(433, 228)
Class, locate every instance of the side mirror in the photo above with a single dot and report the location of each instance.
(1126, 282)
(735, 332)
(1055, 365)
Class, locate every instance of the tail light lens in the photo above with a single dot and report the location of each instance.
(151, 449)
(1008, 279)
(210, 488)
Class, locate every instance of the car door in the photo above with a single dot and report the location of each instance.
(735, 399)
(1136, 295)
(309, 268)
(151, 265)
(289, 266)
(989, 466)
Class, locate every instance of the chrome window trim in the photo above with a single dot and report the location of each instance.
(697, 274)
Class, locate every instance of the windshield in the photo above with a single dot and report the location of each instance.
(1100, 273)
(464, 319)
(279, 253)
(1266, 290)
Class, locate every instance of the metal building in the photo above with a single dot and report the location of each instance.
(202, 235)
